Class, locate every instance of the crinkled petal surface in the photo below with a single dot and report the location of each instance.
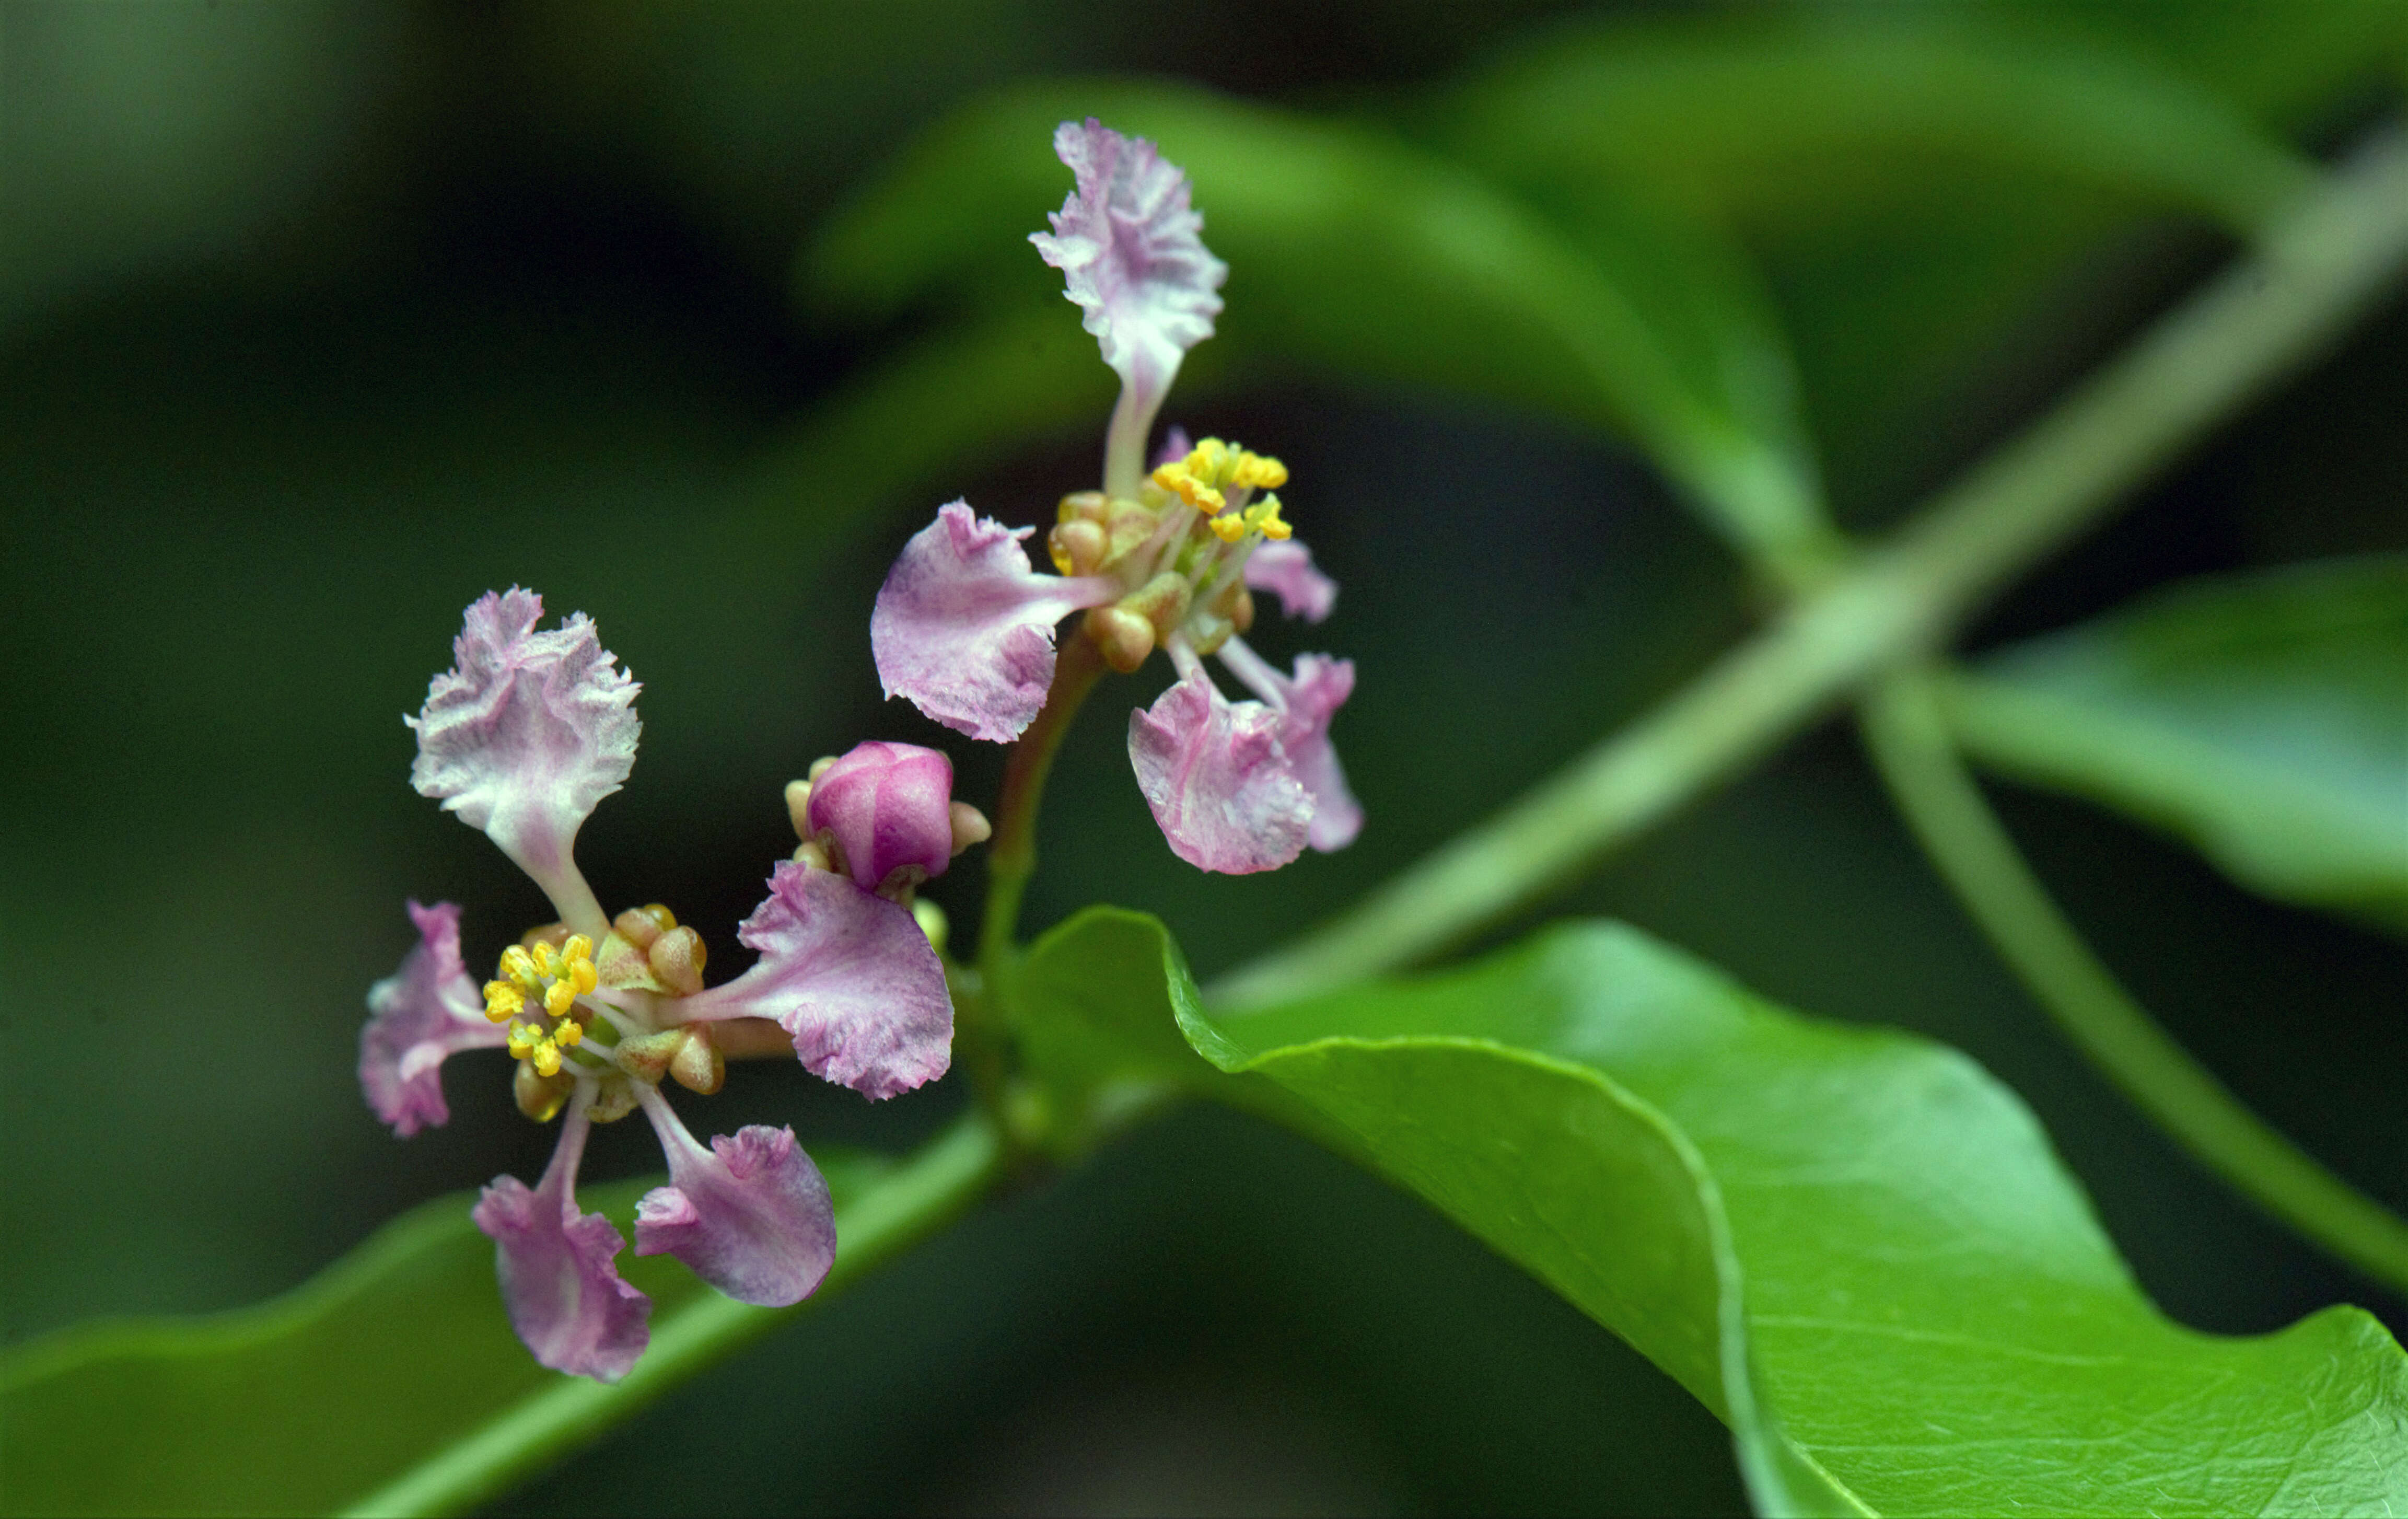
(560, 1279)
(1131, 254)
(1217, 779)
(527, 730)
(1284, 569)
(750, 1215)
(964, 629)
(849, 976)
(1321, 686)
(887, 805)
(428, 1010)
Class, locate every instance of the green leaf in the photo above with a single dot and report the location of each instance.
(2262, 717)
(1354, 251)
(307, 1401)
(1776, 110)
(1853, 1244)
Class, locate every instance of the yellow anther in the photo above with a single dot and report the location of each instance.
(523, 1037)
(1258, 472)
(569, 1034)
(503, 1001)
(1181, 479)
(556, 1000)
(1229, 526)
(518, 965)
(547, 1058)
(547, 959)
(1264, 518)
(578, 948)
(585, 977)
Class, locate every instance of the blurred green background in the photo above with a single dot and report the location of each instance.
(317, 321)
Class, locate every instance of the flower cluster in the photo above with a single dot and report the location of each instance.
(532, 727)
(522, 737)
(1170, 559)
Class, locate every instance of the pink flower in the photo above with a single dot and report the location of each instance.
(425, 1011)
(1218, 783)
(750, 1215)
(559, 1272)
(523, 736)
(888, 807)
(849, 976)
(964, 628)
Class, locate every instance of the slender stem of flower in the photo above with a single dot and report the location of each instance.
(1011, 855)
(1909, 740)
(2334, 254)
(897, 1210)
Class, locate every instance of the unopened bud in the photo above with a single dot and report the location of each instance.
(540, 1097)
(970, 826)
(697, 1065)
(885, 807)
(1125, 638)
(1242, 609)
(1082, 506)
(677, 958)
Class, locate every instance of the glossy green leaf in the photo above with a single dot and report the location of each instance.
(309, 1402)
(2262, 717)
(1355, 252)
(1777, 109)
(1851, 1243)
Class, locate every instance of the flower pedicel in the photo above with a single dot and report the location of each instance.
(522, 737)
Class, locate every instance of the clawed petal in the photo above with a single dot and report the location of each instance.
(1284, 569)
(1305, 704)
(750, 1215)
(1129, 246)
(964, 628)
(1219, 784)
(524, 735)
(1321, 686)
(428, 1010)
(560, 1278)
(849, 976)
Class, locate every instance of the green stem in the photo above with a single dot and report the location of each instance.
(1909, 740)
(1011, 856)
(942, 1178)
(2336, 253)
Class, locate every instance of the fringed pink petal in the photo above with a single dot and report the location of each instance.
(1219, 784)
(421, 1013)
(964, 629)
(849, 976)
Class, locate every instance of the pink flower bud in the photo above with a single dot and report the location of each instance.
(888, 807)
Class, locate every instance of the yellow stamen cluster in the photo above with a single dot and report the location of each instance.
(1214, 469)
(552, 981)
(1262, 517)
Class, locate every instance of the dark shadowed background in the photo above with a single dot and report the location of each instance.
(317, 321)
